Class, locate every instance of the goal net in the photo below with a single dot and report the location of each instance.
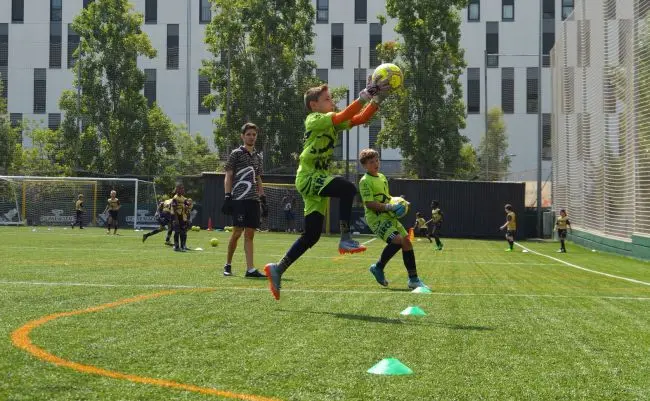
(50, 201)
(286, 208)
(9, 206)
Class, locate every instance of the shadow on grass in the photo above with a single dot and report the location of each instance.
(391, 320)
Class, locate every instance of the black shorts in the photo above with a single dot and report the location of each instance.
(246, 213)
(561, 233)
(113, 214)
(288, 214)
(511, 233)
(164, 219)
(435, 228)
(423, 231)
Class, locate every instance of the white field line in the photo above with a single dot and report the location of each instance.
(631, 280)
(310, 291)
(369, 241)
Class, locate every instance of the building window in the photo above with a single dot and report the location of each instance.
(360, 79)
(56, 10)
(172, 46)
(337, 46)
(609, 93)
(204, 90)
(610, 9)
(373, 134)
(625, 31)
(87, 3)
(548, 41)
(17, 11)
(16, 121)
(151, 12)
(568, 88)
(54, 121)
(4, 59)
(55, 44)
(532, 89)
(492, 43)
(73, 43)
(205, 12)
(39, 90)
(361, 11)
(549, 9)
(150, 85)
(508, 90)
(4, 79)
(546, 137)
(321, 73)
(473, 90)
(322, 11)
(508, 10)
(474, 10)
(567, 9)
(375, 39)
(584, 43)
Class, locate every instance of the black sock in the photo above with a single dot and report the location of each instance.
(562, 244)
(438, 242)
(176, 235)
(297, 249)
(387, 254)
(344, 226)
(511, 243)
(183, 240)
(409, 263)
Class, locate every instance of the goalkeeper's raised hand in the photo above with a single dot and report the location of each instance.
(373, 88)
(398, 208)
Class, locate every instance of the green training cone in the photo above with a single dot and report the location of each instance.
(421, 290)
(390, 366)
(413, 311)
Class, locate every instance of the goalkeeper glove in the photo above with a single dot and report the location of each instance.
(265, 207)
(372, 89)
(226, 208)
(398, 208)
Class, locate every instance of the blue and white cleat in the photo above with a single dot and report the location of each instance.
(350, 246)
(275, 277)
(416, 283)
(379, 275)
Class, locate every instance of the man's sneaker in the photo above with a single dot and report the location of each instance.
(254, 274)
(169, 243)
(178, 249)
(379, 274)
(275, 277)
(227, 270)
(416, 283)
(350, 246)
(561, 251)
(185, 248)
(144, 237)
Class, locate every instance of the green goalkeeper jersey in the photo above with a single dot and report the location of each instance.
(373, 188)
(320, 139)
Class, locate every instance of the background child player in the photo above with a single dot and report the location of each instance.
(79, 212)
(561, 225)
(375, 197)
(421, 225)
(436, 223)
(113, 207)
(313, 180)
(164, 217)
(180, 218)
(510, 226)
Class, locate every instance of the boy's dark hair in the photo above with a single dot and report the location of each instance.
(312, 95)
(418, 214)
(366, 155)
(562, 211)
(248, 126)
(435, 203)
(508, 207)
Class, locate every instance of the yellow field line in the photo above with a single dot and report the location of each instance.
(20, 338)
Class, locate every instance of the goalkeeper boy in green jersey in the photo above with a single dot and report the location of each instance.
(384, 224)
(313, 180)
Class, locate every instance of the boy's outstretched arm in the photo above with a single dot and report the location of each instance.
(365, 115)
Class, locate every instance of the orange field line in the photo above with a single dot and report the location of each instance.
(20, 338)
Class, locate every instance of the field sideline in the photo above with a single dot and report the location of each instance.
(115, 319)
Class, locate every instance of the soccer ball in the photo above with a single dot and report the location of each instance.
(391, 72)
(196, 228)
(399, 200)
(214, 242)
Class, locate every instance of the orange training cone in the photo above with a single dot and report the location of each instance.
(209, 223)
(411, 234)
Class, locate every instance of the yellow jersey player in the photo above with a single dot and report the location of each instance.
(384, 224)
(314, 181)
(113, 207)
(436, 223)
(510, 226)
(422, 226)
(164, 217)
(79, 212)
(180, 218)
(561, 225)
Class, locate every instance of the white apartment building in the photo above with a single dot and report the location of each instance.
(36, 46)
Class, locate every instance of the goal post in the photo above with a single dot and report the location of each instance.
(10, 212)
(51, 200)
(284, 201)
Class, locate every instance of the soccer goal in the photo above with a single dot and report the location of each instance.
(284, 202)
(51, 201)
(9, 206)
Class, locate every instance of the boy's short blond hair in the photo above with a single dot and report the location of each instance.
(367, 154)
(313, 94)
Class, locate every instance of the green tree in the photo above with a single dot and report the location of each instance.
(259, 72)
(468, 167)
(9, 138)
(117, 137)
(493, 150)
(46, 155)
(424, 119)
